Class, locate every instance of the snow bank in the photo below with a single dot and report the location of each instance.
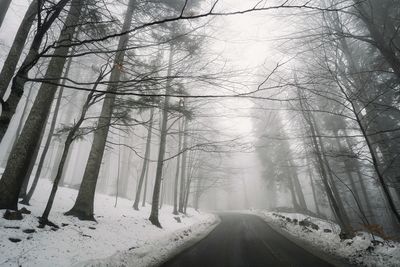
(79, 243)
(360, 250)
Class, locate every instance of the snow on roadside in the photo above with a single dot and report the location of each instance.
(359, 250)
(155, 253)
(77, 242)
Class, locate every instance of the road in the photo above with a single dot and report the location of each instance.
(242, 240)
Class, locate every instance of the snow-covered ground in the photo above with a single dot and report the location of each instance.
(360, 250)
(120, 232)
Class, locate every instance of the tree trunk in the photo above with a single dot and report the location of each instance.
(296, 205)
(32, 161)
(145, 162)
(83, 207)
(378, 35)
(24, 188)
(197, 196)
(375, 163)
(68, 141)
(366, 201)
(10, 63)
(331, 179)
(346, 229)
(297, 187)
(178, 168)
(45, 215)
(314, 192)
(348, 169)
(183, 166)
(28, 196)
(163, 141)
(16, 169)
(4, 5)
(17, 88)
(145, 186)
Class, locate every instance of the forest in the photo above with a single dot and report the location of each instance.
(169, 112)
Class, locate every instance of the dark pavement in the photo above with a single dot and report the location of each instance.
(244, 241)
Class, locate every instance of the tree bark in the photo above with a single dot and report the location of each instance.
(32, 161)
(161, 153)
(28, 196)
(183, 166)
(68, 141)
(178, 168)
(83, 207)
(4, 5)
(145, 186)
(10, 64)
(17, 87)
(378, 35)
(314, 191)
(13, 176)
(296, 205)
(145, 161)
(346, 229)
(297, 187)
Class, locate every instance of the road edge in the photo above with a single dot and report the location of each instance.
(332, 259)
(188, 244)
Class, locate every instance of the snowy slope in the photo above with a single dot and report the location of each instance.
(76, 242)
(359, 250)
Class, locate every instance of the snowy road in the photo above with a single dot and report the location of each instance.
(245, 241)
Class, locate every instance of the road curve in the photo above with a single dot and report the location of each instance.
(242, 240)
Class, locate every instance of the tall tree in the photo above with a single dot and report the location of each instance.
(83, 207)
(145, 161)
(163, 142)
(183, 165)
(4, 5)
(178, 167)
(13, 176)
(17, 87)
(10, 64)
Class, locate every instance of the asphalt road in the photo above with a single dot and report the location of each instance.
(244, 241)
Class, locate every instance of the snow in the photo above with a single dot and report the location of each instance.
(120, 232)
(359, 250)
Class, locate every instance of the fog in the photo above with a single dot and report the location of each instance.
(280, 106)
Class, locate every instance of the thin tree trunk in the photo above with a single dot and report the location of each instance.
(45, 215)
(375, 163)
(198, 193)
(9, 106)
(183, 166)
(4, 5)
(28, 196)
(346, 229)
(83, 207)
(314, 192)
(10, 63)
(145, 161)
(296, 205)
(118, 172)
(297, 187)
(378, 36)
(145, 186)
(13, 176)
(331, 179)
(68, 141)
(161, 153)
(348, 169)
(178, 168)
(32, 161)
(163, 186)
